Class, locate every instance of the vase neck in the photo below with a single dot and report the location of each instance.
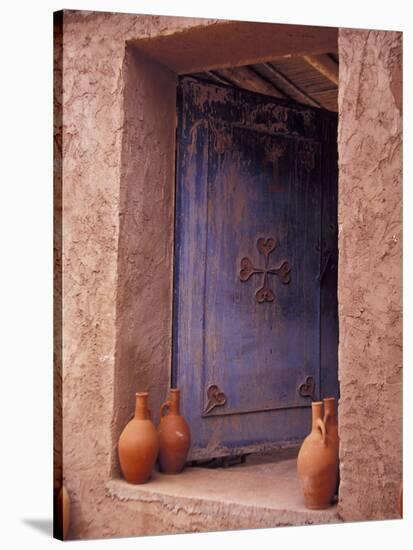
(141, 407)
(174, 396)
(329, 410)
(316, 413)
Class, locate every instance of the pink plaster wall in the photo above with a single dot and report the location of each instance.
(370, 272)
(94, 49)
(145, 253)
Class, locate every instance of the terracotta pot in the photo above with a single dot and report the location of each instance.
(317, 463)
(138, 444)
(174, 436)
(331, 424)
(63, 512)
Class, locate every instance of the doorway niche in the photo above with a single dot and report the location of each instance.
(235, 53)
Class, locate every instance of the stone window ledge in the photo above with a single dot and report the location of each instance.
(263, 492)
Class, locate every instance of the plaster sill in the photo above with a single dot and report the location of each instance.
(262, 492)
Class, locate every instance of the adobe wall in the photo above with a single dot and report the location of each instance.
(145, 274)
(370, 272)
(96, 144)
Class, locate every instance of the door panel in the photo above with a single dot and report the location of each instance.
(247, 271)
(273, 341)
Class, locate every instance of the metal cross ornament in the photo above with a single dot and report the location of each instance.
(265, 294)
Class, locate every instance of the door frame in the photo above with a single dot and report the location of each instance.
(151, 69)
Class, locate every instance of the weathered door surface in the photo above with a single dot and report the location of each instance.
(255, 307)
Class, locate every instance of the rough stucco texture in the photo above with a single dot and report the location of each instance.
(370, 273)
(94, 46)
(144, 311)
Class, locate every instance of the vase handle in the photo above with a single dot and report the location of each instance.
(321, 426)
(325, 419)
(165, 406)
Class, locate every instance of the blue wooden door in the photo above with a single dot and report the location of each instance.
(255, 185)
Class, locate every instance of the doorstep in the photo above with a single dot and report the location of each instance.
(262, 492)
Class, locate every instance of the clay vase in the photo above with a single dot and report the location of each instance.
(138, 444)
(174, 436)
(331, 424)
(317, 463)
(63, 512)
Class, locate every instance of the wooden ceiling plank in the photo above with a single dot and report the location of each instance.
(261, 78)
(244, 77)
(303, 75)
(324, 65)
(328, 100)
(278, 76)
(217, 78)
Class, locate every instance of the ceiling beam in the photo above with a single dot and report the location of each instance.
(324, 65)
(217, 78)
(235, 43)
(297, 92)
(246, 78)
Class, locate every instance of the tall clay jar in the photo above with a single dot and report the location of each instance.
(138, 444)
(331, 424)
(174, 436)
(317, 463)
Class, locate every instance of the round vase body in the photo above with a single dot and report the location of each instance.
(317, 464)
(138, 445)
(174, 437)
